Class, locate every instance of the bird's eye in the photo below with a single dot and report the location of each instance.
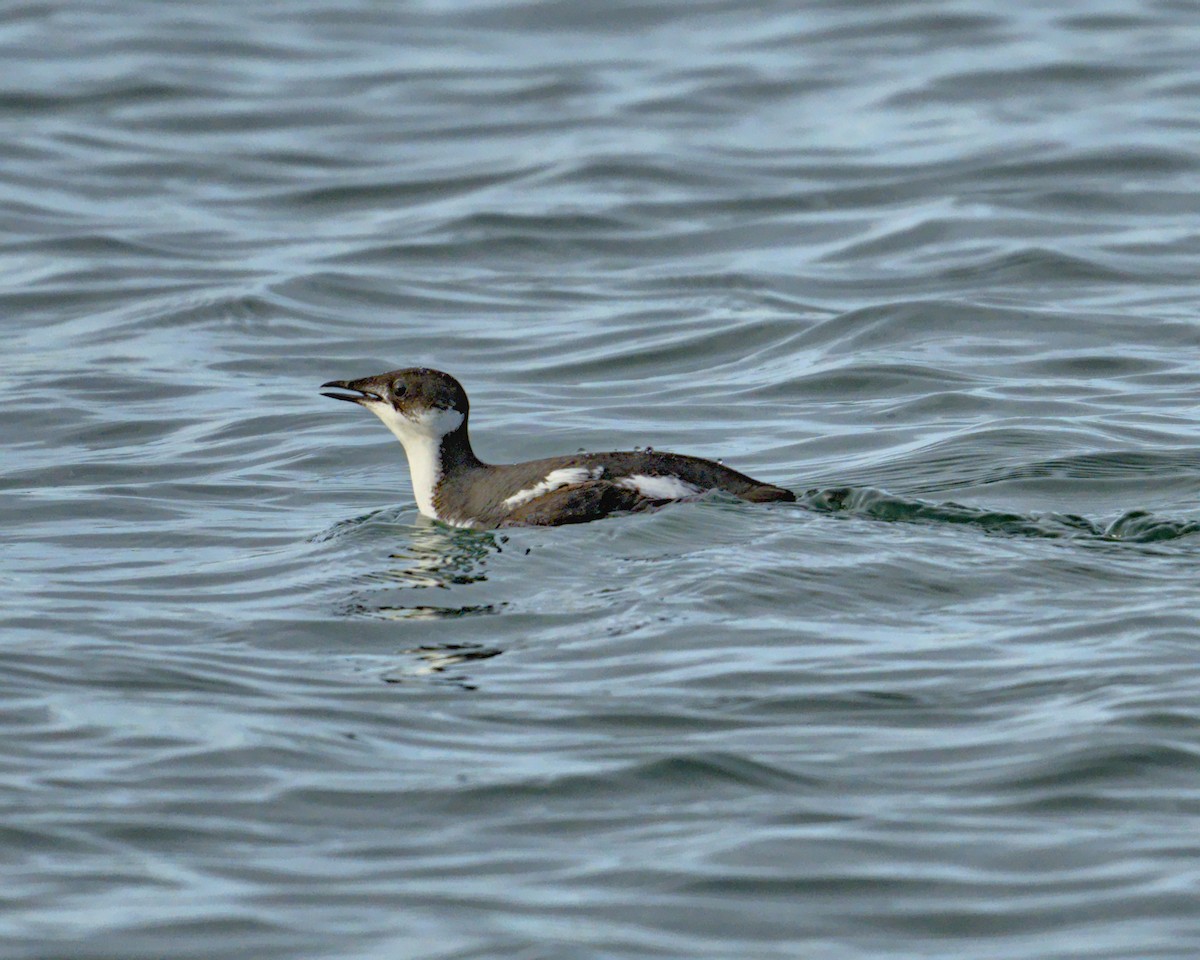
(399, 389)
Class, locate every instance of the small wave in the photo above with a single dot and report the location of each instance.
(1037, 265)
(1134, 526)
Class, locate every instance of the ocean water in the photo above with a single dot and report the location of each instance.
(933, 265)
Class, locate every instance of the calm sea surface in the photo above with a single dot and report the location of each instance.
(933, 266)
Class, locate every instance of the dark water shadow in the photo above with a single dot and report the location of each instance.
(1133, 526)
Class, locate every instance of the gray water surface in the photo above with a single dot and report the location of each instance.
(931, 265)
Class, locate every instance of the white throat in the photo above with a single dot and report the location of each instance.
(422, 440)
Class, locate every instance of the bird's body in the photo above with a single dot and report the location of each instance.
(427, 411)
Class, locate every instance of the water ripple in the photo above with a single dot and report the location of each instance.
(932, 268)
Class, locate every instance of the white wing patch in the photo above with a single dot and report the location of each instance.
(658, 488)
(563, 477)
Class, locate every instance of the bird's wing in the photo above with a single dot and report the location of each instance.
(577, 503)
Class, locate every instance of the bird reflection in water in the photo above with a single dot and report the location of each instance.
(433, 557)
(440, 661)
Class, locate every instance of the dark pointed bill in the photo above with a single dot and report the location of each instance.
(353, 394)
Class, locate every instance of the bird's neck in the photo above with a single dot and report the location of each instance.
(436, 444)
